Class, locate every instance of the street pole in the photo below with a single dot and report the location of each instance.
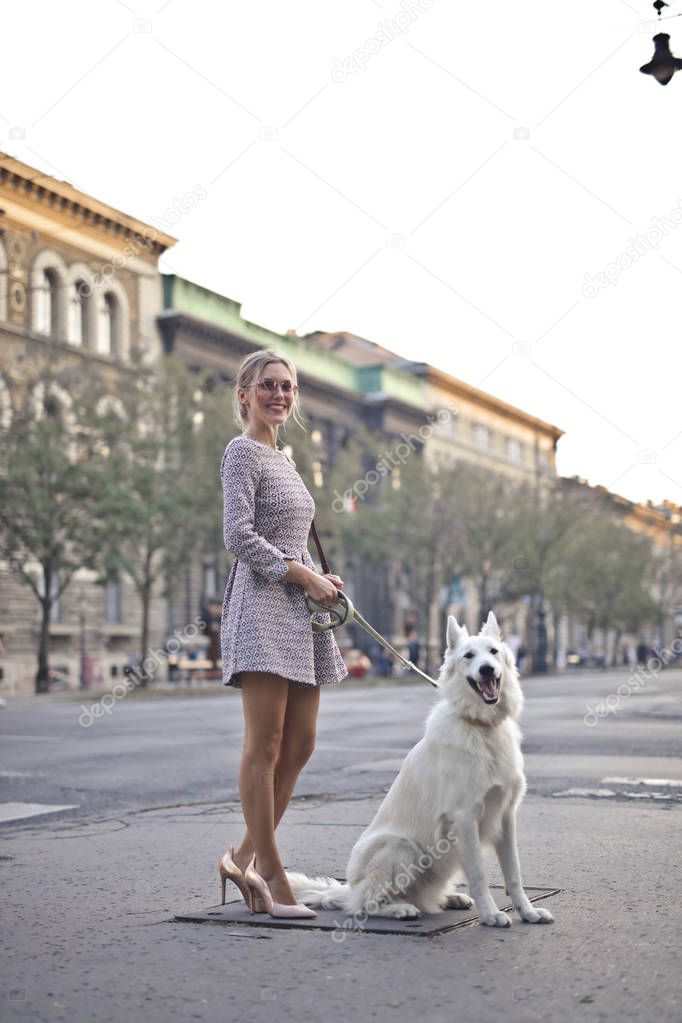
(540, 653)
(81, 622)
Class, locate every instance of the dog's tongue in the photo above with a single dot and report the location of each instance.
(488, 687)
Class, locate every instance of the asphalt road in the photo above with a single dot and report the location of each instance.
(90, 895)
(156, 751)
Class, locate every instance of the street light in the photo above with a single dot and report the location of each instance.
(663, 64)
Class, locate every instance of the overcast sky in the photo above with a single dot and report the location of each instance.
(448, 180)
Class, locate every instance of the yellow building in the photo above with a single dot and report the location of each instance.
(484, 429)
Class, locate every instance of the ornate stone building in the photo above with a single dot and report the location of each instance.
(80, 278)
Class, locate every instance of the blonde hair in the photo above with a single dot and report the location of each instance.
(249, 371)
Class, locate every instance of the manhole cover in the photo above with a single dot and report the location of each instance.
(335, 920)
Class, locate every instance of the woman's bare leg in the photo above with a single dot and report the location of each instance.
(264, 698)
(298, 742)
(296, 747)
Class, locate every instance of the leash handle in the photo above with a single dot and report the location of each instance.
(339, 614)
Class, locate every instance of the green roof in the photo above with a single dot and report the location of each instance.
(187, 297)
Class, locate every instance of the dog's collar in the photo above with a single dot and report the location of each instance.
(476, 721)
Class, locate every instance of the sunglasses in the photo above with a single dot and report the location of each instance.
(272, 385)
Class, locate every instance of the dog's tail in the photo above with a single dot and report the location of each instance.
(325, 892)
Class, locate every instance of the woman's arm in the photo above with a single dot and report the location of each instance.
(239, 472)
(297, 573)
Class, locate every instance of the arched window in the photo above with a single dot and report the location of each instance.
(110, 323)
(78, 313)
(49, 287)
(3, 283)
(81, 304)
(47, 303)
(108, 328)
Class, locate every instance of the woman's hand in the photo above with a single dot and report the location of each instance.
(323, 588)
(336, 579)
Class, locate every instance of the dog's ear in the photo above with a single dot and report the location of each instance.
(491, 628)
(455, 633)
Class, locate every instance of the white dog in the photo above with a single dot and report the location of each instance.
(457, 789)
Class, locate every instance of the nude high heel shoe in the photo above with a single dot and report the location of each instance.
(229, 871)
(260, 887)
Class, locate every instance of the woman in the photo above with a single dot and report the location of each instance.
(268, 647)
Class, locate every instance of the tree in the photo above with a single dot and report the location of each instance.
(487, 511)
(157, 503)
(611, 585)
(542, 570)
(47, 487)
(415, 520)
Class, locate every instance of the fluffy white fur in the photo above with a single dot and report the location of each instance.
(458, 789)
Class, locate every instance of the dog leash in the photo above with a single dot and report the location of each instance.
(348, 613)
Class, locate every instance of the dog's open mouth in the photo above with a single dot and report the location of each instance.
(488, 688)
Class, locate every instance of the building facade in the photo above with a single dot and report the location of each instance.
(81, 278)
(349, 383)
(662, 524)
(78, 279)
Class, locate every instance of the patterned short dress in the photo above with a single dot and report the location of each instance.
(265, 622)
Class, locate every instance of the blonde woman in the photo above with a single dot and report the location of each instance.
(269, 650)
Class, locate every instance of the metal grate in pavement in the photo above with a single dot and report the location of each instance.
(335, 920)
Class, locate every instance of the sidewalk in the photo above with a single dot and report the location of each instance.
(93, 936)
(158, 690)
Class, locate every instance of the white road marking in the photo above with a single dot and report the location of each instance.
(610, 794)
(646, 795)
(18, 811)
(658, 782)
(602, 793)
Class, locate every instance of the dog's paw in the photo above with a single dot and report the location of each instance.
(498, 919)
(458, 900)
(407, 912)
(537, 915)
(401, 911)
